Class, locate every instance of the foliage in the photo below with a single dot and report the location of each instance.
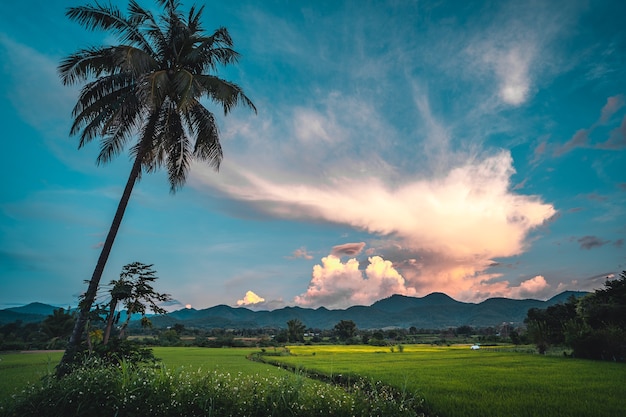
(134, 289)
(117, 351)
(58, 324)
(126, 390)
(593, 326)
(545, 326)
(345, 329)
(148, 89)
(295, 330)
(51, 333)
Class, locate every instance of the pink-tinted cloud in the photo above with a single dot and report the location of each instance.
(347, 249)
(617, 138)
(451, 226)
(580, 139)
(613, 104)
(335, 284)
(536, 287)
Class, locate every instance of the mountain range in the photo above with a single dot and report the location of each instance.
(434, 311)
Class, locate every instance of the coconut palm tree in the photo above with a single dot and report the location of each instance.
(146, 93)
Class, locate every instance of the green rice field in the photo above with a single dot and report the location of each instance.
(454, 381)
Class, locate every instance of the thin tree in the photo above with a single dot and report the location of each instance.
(134, 290)
(146, 92)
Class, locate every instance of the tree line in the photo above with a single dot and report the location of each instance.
(593, 326)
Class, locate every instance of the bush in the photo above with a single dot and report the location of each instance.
(101, 389)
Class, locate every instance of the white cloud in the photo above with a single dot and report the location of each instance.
(452, 217)
(536, 287)
(335, 284)
(250, 299)
(512, 69)
(469, 212)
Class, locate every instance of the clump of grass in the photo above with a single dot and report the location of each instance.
(120, 390)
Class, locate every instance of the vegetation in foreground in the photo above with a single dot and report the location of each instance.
(102, 389)
(147, 90)
(594, 326)
(459, 382)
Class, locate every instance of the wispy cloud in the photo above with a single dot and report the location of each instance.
(590, 242)
(517, 46)
(301, 253)
(616, 137)
(42, 101)
(613, 104)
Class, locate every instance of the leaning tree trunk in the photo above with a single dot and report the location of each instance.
(69, 356)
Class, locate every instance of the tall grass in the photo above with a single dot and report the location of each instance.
(208, 385)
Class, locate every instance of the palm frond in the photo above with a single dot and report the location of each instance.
(177, 146)
(134, 60)
(102, 94)
(87, 63)
(224, 92)
(193, 21)
(152, 85)
(121, 126)
(204, 128)
(110, 18)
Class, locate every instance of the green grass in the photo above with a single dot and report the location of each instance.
(19, 369)
(194, 382)
(454, 381)
(459, 382)
(220, 359)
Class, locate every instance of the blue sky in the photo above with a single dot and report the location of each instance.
(474, 148)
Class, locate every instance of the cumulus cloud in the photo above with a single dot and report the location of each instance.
(335, 284)
(449, 229)
(536, 287)
(250, 299)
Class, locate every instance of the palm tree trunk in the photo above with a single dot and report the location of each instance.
(85, 306)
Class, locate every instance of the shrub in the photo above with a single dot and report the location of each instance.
(101, 389)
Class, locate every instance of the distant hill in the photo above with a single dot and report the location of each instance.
(30, 313)
(433, 311)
